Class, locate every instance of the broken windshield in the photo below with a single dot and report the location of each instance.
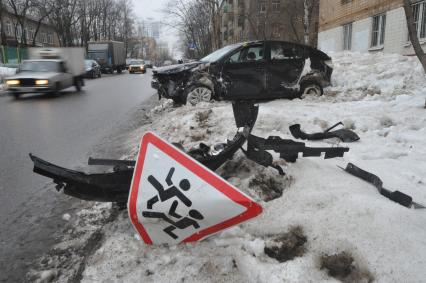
(213, 57)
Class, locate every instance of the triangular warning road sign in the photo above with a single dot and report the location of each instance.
(176, 199)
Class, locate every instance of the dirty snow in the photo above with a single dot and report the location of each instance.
(4, 73)
(379, 96)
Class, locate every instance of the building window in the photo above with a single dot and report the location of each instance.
(347, 36)
(262, 6)
(9, 29)
(343, 2)
(43, 38)
(50, 38)
(378, 30)
(276, 30)
(419, 13)
(276, 5)
(30, 33)
(19, 31)
(241, 21)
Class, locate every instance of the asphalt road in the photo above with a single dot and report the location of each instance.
(62, 129)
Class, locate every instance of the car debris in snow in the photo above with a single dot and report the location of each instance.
(114, 186)
(396, 196)
(289, 150)
(344, 135)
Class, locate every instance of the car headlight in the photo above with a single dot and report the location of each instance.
(41, 82)
(13, 82)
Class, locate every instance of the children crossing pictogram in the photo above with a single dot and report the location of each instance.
(175, 199)
(171, 192)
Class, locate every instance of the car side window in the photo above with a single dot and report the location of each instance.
(248, 54)
(235, 58)
(62, 67)
(280, 52)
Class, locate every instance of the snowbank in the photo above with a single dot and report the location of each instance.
(381, 98)
(360, 75)
(4, 73)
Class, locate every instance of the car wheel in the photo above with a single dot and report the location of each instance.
(78, 84)
(16, 95)
(311, 89)
(197, 94)
(93, 75)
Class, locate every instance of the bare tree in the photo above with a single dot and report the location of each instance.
(194, 22)
(20, 10)
(216, 9)
(412, 30)
(2, 31)
(40, 12)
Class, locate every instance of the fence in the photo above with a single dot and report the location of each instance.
(12, 55)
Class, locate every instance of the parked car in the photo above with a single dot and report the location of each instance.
(257, 70)
(93, 69)
(148, 64)
(137, 66)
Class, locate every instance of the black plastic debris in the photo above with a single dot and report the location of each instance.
(115, 186)
(344, 135)
(105, 187)
(396, 196)
(289, 151)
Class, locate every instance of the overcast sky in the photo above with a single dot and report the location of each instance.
(145, 9)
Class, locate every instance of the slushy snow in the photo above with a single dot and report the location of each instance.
(381, 97)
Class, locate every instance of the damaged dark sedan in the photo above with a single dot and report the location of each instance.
(258, 70)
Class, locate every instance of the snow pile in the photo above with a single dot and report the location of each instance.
(4, 73)
(337, 212)
(357, 75)
(319, 224)
(65, 262)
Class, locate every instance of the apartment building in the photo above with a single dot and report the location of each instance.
(369, 25)
(46, 35)
(245, 20)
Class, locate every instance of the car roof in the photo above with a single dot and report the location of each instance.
(313, 51)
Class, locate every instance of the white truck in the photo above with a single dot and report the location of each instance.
(49, 70)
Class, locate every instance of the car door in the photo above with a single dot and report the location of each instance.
(244, 73)
(285, 65)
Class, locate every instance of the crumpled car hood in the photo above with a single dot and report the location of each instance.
(174, 69)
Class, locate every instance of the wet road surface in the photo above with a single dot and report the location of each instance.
(62, 129)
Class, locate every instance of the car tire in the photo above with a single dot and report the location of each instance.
(119, 70)
(17, 95)
(196, 94)
(310, 88)
(78, 84)
(93, 75)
